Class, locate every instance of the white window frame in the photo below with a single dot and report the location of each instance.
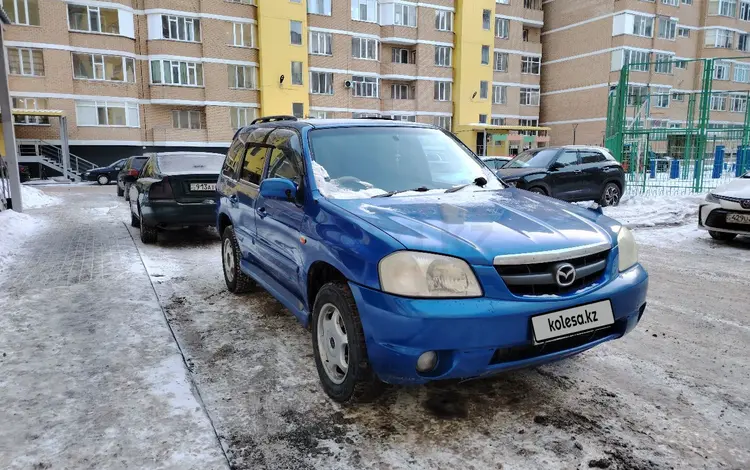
(444, 20)
(719, 38)
(485, 55)
(244, 35)
(319, 7)
(189, 26)
(745, 11)
(189, 75)
(22, 60)
(718, 102)
(365, 87)
(443, 91)
(737, 103)
(321, 83)
(371, 10)
(502, 28)
(501, 62)
(402, 91)
(499, 94)
(678, 97)
(443, 56)
(98, 66)
(667, 28)
(643, 26)
(663, 64)
(363, 48)
(743, 42)
(132, 113)
(30, 103)
(487, 20)
(397, 55)
(674, 3)
(249, 74)
(529, 96)
(529, 64)
(683, 32)
(98, 12)
(15, 19)
(405, 15)
(635, 56)
(727, 8)
(484, 90)
(443, 122)
(497, 121)
(722, 70)
(741, 73)
(292, 24)
(660, 97)
(297, 73)
(193, 116)
(321, 43)
(242, 117)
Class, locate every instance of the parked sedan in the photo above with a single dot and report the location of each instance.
(174, 190)
(495, 163)
(572, 173)
(129, 173)
(726, 212)
(105, 174)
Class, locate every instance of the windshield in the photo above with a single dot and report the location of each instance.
(361, 162)
(532, 159)
(187, 163)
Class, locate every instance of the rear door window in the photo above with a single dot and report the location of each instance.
(285, 160)
(234, 157)
(253, 163)
(138, 163)
(591, 156)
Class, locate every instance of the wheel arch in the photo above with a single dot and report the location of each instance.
(319, 274)
(222, 222)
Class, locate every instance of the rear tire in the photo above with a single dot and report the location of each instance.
(103, 180)
(237, 281)
(120, 191)
(611, 195)
(149, 235)
(358, 383)
(538, 190)
(722, 236)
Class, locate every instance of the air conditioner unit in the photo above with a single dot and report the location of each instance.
(348, 84)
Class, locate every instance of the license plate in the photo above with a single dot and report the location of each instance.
(738, 219)
(571, 321)
(202, 186)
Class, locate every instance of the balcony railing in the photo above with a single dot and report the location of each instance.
(532, 4)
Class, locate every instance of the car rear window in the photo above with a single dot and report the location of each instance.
(186, 163)
(138, 163)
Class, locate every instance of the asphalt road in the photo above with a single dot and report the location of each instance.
(672, 394)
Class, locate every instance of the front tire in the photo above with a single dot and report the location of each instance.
(103, 180)
(339, 347)
(538, 190)
(722, 236)
(611, 195)
(237, 281)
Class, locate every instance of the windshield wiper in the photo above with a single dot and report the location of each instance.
(421, 189)
(481, 182)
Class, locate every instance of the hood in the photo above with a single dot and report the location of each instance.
(511, 174)
(739, 188)
(479, 225)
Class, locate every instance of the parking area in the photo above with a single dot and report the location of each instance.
(672, 394)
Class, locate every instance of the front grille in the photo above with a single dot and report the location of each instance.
(530, 351)
(539, 278)
(718, 219)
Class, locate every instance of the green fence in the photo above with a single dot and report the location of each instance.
(676, 141)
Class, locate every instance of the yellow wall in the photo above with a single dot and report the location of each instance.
(2, 141)
(468, 67)
(277, 54)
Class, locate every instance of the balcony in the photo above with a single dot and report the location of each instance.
(398, 35)
(396, 71)
(387, 105)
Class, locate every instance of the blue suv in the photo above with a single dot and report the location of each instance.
(410, 261)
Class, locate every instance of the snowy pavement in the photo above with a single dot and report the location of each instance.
(672, 394)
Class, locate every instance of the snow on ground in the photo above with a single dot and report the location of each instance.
(33, 198)
(15, 228)
(641, 211)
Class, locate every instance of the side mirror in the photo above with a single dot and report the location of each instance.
(278, 188)
(556, 166)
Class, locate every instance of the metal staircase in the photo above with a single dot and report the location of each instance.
(51, 156)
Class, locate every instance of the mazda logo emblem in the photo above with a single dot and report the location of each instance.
(565, 275)
(745, 204)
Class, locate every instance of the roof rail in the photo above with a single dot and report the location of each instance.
(273, 119)
(383, 118)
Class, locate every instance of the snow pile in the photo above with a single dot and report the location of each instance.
(335, 188)
(15, 228)
(33, 198)
(652, 211)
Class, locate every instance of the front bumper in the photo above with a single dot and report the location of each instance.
(713, 216)
(164, 214)
(483, 336)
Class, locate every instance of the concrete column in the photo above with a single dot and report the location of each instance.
(9, 132)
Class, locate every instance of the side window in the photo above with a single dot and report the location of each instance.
(253, 163)
(285, 160)
(568, 158)
(148, 170)
(233, 159)
(591, 156)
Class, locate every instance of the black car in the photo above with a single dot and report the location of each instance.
(573, 173)
(176, 189)
(105, 174)
(129, 173)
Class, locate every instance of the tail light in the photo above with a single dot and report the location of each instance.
(161, 190)
(133, 172)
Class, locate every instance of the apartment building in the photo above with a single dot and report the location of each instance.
(587, 42)
(151, 75)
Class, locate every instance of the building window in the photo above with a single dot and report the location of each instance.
(663, 64)
(241, 117)
(365, 10)
(485, 55)
(242, 76)
(93, 19)
(402, 92)
(643, 26)
(443, 91)
(405, 15)
(503, 2)
(667, 28)
(497, 121)
(680, 64)
(677, 96)
(319, 7)
(529, 96)
(741, 73)
(321, 43)
(298, 110)
(721, 70)
(107, 113)
(442, 122)
(501, 61)
(443, 20)
(297, 73)
(186, 119)
(721, 38)
(661, 97)
(718, 102)
(637, 95)
(687, 2)
(723, 8)
(483, 119)
(29, 62)
(484, 90)
(24, 12)
(674, 3)
(175, 72)
(365, 48)
(528, 123)
(530, 65)
(103, 67)
(443, 56)
(683, 32)
(745, 11)
(319, 114)
(31, 103)
(742, 43)
(180, 28)
(640, 60)
(321, 83)
(499, 94)
(501, 28)
(365, 87)
(404, 56)
(244, 34)
(295, 32)
(486, 19)
(738, 103)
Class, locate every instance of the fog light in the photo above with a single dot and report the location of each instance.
(427, 361)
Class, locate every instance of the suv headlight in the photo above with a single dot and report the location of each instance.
(628, 249)
(712, 199)
(417, 274)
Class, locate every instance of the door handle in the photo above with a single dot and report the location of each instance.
(577, 171)
(262, 213)
(234, 200)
